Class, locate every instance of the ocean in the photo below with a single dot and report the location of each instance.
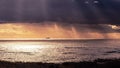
(58, 51)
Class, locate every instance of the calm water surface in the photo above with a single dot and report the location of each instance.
(58, 51)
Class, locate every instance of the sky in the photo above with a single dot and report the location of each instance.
(60, 18)
(59, 31)
(81, 11)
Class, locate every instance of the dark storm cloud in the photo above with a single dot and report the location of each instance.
(105, 11)
(72, 11)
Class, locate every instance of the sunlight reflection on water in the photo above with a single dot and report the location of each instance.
(25, 47)
(56, 52)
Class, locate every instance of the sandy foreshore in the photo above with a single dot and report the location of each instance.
(99, 63)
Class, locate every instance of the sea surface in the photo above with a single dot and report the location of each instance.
(58, 51)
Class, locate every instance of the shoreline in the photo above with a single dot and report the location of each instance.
(99, 63)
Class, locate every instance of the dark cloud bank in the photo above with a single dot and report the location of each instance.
(70, 11)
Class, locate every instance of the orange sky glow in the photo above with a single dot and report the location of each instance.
(35, 30)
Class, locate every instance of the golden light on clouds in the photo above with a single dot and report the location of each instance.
(13, 31)
(40, 30)
(114, 27)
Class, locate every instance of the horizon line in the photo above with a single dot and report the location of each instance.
(54, 38)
